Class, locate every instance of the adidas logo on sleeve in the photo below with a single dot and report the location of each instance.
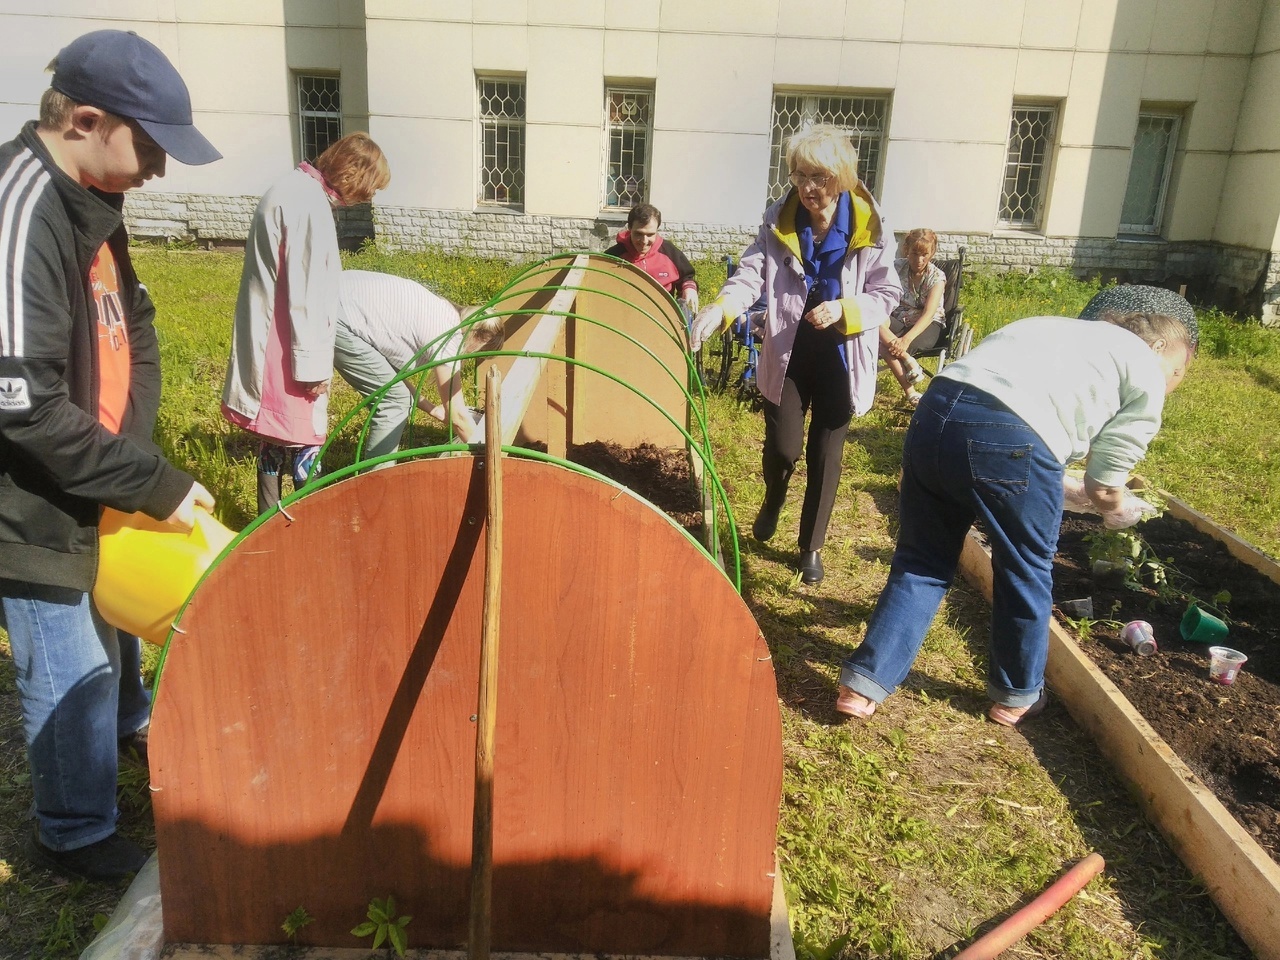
(14, 394)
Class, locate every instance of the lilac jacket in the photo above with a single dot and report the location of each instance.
(870, 290)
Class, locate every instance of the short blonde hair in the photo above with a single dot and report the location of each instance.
(827, 148)
(56, 108)
(1150, 327)
(488, 333)
(355, 167)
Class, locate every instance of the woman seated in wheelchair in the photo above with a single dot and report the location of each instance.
(919, 320)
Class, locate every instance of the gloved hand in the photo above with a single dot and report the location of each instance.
(705, 325)
(690, 298)
(1131, 510)
(1074, 497)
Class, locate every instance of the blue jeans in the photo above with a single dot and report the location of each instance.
(81, 690)
(966, 456)
(362, 366)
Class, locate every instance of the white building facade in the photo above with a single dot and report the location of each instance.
(1136, 138)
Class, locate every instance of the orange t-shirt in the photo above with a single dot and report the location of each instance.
(113, 340)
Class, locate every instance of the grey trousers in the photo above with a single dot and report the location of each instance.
(366, 370)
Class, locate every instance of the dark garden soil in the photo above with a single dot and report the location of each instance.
(660, 476)
(1228, 735)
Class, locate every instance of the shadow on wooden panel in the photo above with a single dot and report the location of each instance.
(313, 743)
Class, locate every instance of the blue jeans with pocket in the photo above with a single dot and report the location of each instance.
(968, 457)
(81, 690)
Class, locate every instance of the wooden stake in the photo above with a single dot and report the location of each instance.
(487, 700)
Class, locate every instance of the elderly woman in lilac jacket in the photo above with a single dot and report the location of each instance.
(824, 259)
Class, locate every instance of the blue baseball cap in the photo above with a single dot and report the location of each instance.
(120, 72)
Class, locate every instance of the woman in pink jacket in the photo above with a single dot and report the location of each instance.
(824, 259)
(287, 311)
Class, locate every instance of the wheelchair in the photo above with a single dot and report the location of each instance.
(730, 359)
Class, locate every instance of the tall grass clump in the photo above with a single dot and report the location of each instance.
(993, 299)
(466, 280)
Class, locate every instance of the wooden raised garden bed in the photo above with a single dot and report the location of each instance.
(1237, 871)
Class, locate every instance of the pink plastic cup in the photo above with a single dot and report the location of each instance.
(1224, 664)
(1140, 637)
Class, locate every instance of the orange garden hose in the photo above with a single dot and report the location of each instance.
(995, 942)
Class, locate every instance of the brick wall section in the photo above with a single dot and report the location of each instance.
(1270, 312)
(1238, 278)
(188, 216)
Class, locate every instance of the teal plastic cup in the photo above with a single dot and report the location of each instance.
(1200, 626)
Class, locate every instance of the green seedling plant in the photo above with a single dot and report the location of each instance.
(384, 926)
(1143, 567)
(1084, 627)
(807, 949)
(294, 923)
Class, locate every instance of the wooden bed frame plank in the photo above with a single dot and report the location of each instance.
(1240, 876)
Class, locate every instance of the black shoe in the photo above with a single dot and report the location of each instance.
(766, 523)
(811, 566)
(111, 858)
(133, 746)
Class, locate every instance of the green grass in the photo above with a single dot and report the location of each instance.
(898, 837)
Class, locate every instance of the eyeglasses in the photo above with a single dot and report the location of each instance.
(818, 180)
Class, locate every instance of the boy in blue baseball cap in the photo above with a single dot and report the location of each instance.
(79, 394)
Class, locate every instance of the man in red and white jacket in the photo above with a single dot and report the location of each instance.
(661, 259)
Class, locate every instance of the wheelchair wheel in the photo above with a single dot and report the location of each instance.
(714, 361)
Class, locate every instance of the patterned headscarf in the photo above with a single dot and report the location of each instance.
(1136, 298)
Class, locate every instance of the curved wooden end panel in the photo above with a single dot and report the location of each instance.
(313, 740)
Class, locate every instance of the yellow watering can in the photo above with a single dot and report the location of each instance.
(147, 569)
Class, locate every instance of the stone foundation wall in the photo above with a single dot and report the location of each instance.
(1237, 278)
(188, 216)
(1269, 309)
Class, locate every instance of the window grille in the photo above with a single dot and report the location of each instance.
(1026, 170)
(865, 119)
(502, 112)
(1149, 172)
(319, 114)
(628, 134)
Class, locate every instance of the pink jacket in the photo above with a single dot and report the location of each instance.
(870, 290)
(286, 314)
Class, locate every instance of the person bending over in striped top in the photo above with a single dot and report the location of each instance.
(387, 323)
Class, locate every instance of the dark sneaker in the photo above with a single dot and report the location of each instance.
(111, 858)
(133, 746)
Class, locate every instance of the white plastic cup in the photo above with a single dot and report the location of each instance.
(1140, 636)
(1224, 664)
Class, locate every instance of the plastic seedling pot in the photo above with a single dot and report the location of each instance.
(1200, 626)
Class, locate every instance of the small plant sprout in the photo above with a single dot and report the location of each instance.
(294, 923)
(1083, 628)
(384, 926)
(807, 949)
